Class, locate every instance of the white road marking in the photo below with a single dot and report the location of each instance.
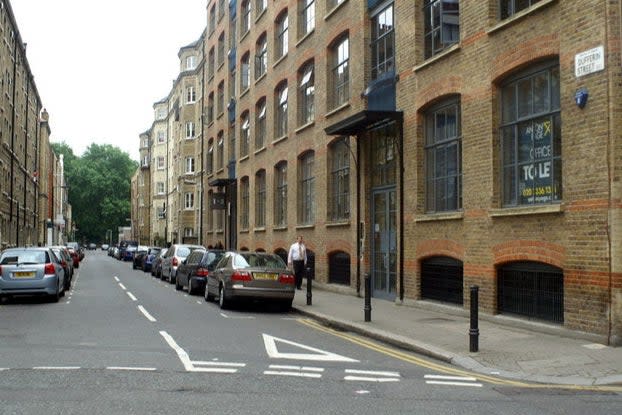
(295, 374)
(146, 314)
(435, 382)
(361, 392)
(132, 296)
(189, 365)
(122, 287)
(369, 379)
(372, 372)
(305, 368)
(116, 279)
(355, 375)
(318, 355)
(238, 317)
(140, 369)
(443, 377)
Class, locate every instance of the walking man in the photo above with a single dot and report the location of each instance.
(297, 258)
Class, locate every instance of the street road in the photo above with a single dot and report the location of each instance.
(124, 342)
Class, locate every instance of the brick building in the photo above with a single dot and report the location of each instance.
(434, 144)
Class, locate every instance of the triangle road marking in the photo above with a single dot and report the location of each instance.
(317, 355)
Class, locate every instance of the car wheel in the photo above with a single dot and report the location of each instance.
(56, 296)
(178, 287)
(222, 301)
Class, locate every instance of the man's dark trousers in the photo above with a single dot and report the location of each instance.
(299, 272)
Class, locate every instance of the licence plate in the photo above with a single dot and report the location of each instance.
(23, 275)
(265, 276)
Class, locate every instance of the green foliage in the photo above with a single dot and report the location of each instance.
(99, 189)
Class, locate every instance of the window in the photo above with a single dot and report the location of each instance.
(244, 203)
(210, 156)
(189, 201)
(244, 134)
(221, 49)
(306, 196)
(307, 17)
(188, 232)
(220, 103)
(210, 108)
(280, 44)
(261, 6)
(280, 194)
(212, 19)
(191, 62)
(261, 57)
(442, 25)
(443, 157)
(339, 180)
(221, 9)
(331, 4)
(160, 188)
(508, 8)
(340, 73)
(280, 98)
(306, 94)
(245, 22)
(190, 130)
(260, 199)
(191, 95)
(232, 149)
(530, 137)
(161, 137)
(160, 164)
(161, 113)
(220, 156)
(245, 72)
(260, 124)
(189, 162)
(211, 62)
(383, 42)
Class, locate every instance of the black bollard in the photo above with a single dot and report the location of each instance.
(309, 295)
(367, 307)
(474, 331)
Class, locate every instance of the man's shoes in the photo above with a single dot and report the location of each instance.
(299, 288)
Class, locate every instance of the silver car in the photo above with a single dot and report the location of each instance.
(31, 271)
(173, 258)
(251, 276)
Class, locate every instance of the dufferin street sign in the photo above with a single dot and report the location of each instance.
(590, 61)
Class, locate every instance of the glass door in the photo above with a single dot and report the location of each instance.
(384, 244)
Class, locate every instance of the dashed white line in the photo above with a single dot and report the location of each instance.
(295, 371)
(122, 287)
(146, 314)
(132, 296)
(371, 376)
(116, 279)
(56, 367)
(452, 381)
(139, 369)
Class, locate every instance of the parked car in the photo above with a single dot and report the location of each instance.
(149, 258)
(128, 252)
(105, 247)
(250, 276)
(31, 271)
(156, 266)
(173, 258)
(139, 254)
(74, 256)
(92, 246)
(76, 247)
(193, 271)
(66, 261)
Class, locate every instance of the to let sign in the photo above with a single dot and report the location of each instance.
(590, 61)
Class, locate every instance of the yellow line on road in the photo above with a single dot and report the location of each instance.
(408, 357)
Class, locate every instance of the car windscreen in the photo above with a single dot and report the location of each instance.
(260, 261)
(23, 257)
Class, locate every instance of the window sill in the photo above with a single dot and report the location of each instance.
(280, 228)
(260, 150)
(338, 224)
(244, 158)
(243, 93)
(279, 139)
(338, 109)
(305, 37)
(261, 13)
(244, 35)
(304, 127)
(430, 61)
(259, 230)
(334, 9)
(262, 76)
(305, 226)
(431, 217)
(245, 230)
(220, 65)
(526, 210)
(519, 16)
(279, 60)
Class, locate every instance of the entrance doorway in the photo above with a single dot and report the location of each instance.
(384, 244)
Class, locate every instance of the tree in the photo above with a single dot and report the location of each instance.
(99, 188)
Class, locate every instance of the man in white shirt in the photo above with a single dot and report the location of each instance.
(297, 258)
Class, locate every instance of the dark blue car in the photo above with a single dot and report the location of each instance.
(152, 253)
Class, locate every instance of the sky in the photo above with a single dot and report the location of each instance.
(99, 66)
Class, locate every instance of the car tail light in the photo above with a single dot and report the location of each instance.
(202, 272)
(175, 262)
(241, 276)
(49, 268)
(286, 279)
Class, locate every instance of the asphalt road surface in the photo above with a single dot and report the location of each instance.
(124, 342)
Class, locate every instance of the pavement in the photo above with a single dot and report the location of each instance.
(510, 348)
